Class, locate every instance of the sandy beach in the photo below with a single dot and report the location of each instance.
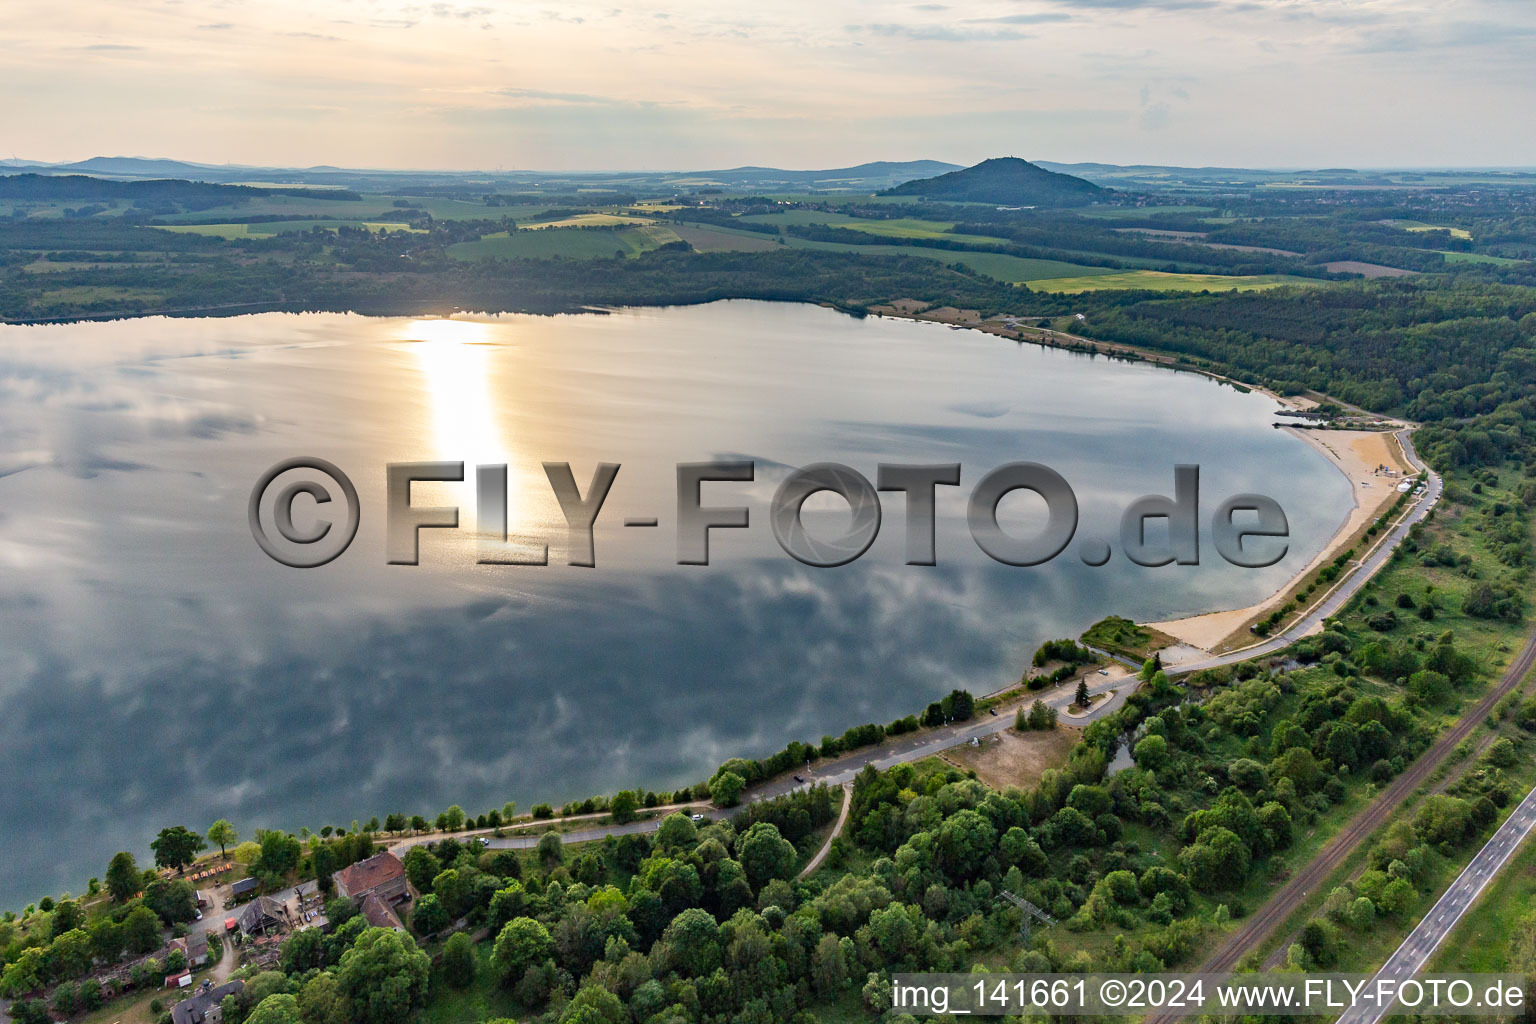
(1371, 460)
(1360, 456)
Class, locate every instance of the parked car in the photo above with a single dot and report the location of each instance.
(799, 779)
(698, 817)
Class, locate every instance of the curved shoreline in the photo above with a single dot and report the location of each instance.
(1356, 458)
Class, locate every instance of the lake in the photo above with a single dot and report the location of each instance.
(160, 669)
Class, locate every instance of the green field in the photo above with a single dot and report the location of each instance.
(1001, 266)
(574, 243)
(1128, 212)
(1416, 225)
(1160, 281)
(278, 227)
(1477, 257)
(584, 220)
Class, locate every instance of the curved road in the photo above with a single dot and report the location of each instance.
(1352, 582)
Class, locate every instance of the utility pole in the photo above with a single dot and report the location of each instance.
(1030, 911)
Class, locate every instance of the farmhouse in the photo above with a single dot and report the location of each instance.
(205, 1008)
(382, 875)
(260, 915)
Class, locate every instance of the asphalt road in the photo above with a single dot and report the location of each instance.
(1257, 927)
(1362, 574)
(1415, 951)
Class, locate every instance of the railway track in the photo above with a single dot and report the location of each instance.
(1290, 895)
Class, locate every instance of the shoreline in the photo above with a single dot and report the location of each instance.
(1355, 454)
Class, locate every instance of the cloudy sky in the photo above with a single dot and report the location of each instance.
(791, 83)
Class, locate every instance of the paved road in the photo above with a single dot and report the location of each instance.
(1257, 927)
(1351, 584)
(1415, 951)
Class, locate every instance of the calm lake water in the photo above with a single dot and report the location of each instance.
(159, 669)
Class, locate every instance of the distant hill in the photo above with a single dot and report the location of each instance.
(877, 174)
(1004, 181)
(68, 187)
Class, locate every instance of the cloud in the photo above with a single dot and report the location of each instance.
(936, 33)
(219, 26)
(1042, 18)
(110, 48)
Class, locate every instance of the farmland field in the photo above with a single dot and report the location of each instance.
(574, 243)
(278, 227)
(1001, 266)
(1159, 281)
(1421, 226)
(1477, 257)
(583, 220)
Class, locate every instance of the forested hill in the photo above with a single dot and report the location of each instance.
(1005, 181)
(48, 188)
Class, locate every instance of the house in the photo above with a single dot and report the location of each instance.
(379, 914)
(205, 1007)
(194, 947)
(244, 887)
(260, 915)
(382, 875)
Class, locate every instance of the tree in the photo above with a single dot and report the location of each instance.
(677, 832)
(383, 976)
(725, 789)
(303, 951)
(459, 961)
(176, 847)
(1151, 753)
(320, 1002)
(430, 915)
(123, 878)
(765, 854)
(693, 939)
(67, 916)
(223, 833)
(1080, 698)
(421, 866)
(280, 1008)
(594, 1005)
(623, 806)
(280, 852)
(141, 930)
(453, 818)
(174, 900)
(522, 944)
(551, 850)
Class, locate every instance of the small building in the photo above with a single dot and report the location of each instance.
(379, 914)
(382, 875)
(194, 947)
(244, 887)
(260, 916)
(206, 1007)
(204, 899)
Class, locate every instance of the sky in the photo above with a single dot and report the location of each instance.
(788, 83)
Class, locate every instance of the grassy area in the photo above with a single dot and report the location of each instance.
(1158, 280)
(1132, 212)
(484, 999)
(574, 243)
(1000, 266)
(267, 229)
(584, 220)
(1416, 226)
(1477, 257)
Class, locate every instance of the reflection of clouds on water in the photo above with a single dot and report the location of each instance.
(160, 669)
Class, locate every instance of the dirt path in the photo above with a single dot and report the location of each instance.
(842, 819)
